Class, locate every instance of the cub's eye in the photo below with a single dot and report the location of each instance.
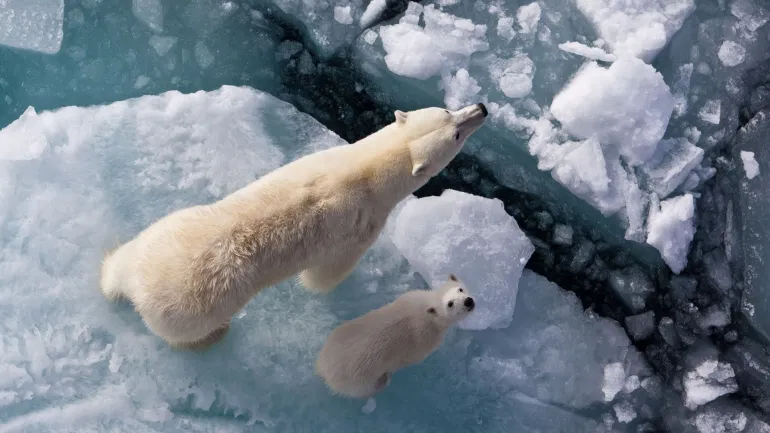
(446, 111)
(450, 304)
(460, 290)
(457, 136)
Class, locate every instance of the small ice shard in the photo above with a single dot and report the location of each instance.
(513, 76)
(141, 81)
(750, 164)
(32, 25)
(23, 139)
(593, 53)
(708, 381)
(641, 326)
(711, 111)
(162, 44)
(203, 55)
(528, 17)
(626, 107)
(460, 89)
(369, 406)
(614, 379)
(472, 237)
(372, 13)
(624, 412)
(731, 54)
(149, 12)
(670, 229)
(633, 286)
(342, 15)
(562, 235)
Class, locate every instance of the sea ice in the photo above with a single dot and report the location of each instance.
(593, 53)
(670, 229)
(540, 354)
(669, 166)
(639, 28)
(34, 25)
(22, 139)
(150, 12)
(626, 106)
(750, 165)
(731, 54)
(472, 237)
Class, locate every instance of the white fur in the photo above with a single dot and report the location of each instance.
(361, 355)
(189, 272)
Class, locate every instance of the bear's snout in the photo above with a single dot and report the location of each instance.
(483, 109)
(469, 303)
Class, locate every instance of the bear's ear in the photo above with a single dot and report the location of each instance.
(400, 117)
(431, 311)
(418, 169)
(452, 277)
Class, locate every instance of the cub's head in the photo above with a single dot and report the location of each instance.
(436, 135)
(453, 303)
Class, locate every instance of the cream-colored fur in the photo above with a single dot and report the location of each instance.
(189, 272)
(361, 355)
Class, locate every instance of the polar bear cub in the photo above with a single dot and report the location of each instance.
(361, 355)
(191, 271)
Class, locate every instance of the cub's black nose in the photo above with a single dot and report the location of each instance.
(483, 109)
(469, 304)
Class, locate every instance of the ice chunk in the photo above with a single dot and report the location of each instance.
(162, 44)
(750, 165)
(633, 286)
(342, 15)
(472, 237)
(22, 139)
(627, 107)
(540, 353)
(752, 16)
(150, 12)
(446, 42)
(562, 234)
(641, 326)
(513, 76)
(593, 53)
(461, 90)
(373, 12)
(707, 381)
(614, 379)
(625, 412)
(711, 111)
(203, 55)
(528, 17)
(639, 28)
(34, 25)
(731, 54)
(670, 229)
(670, 165)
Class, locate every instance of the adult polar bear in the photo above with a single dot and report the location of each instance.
(189, 272)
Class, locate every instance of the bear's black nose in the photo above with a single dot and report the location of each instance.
(483, 109)
(469, 304)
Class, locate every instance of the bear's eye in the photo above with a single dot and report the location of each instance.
(457, 136)
(460, 290)
(450, 304)
(446, 111)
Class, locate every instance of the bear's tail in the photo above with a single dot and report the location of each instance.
(109, 280)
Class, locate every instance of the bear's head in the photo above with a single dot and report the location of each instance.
(435, 135)
(452, 303)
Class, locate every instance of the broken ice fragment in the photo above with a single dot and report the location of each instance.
(633, 286)
(670, 229)
(528, 17)
(670, 165)
(614, 379)
(624, 412)
(22, 139)
(707, 381)
(32, 25)
(513, 76)
(593, 53)
(750, 165)
(667, 330)
(562, 235)
(150, 12)
(641, 326)
(731, 54)
(342, 15)
(626, 107)
(460, 89)
(711, 112)
(162, 44)
(373, 12)
(472, 237)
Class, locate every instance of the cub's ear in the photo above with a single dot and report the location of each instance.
(400, 117)
(431, 311)
(452, 277)
(418, 169)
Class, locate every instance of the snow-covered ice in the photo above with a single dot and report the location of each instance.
(639, 28)
(708, 381)
(670, 229)
(34, 25)
(750, 165)
(472, 237)
(593, 53)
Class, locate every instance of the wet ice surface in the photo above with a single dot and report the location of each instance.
(626, 140)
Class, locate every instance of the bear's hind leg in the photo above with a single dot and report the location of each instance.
(206, 342)
(324, 278)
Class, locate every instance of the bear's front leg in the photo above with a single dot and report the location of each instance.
(324, 277)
